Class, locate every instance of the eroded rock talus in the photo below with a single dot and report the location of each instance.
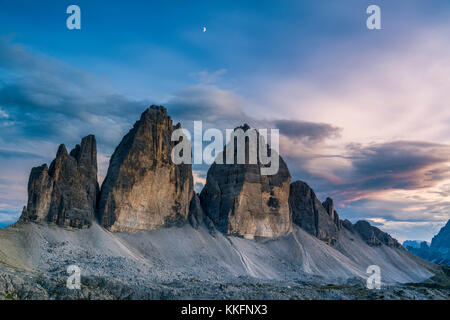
(320, 220)
(144, 189)
(241, 201)
(66, 192)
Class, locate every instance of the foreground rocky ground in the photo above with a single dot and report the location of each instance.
(16, 284)
(150, 265)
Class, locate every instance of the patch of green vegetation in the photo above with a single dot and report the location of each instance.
(10, 295)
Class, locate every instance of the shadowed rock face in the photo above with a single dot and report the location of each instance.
(347, 225)
(322, 221)
(240, 201)
(196, 215)
(441, 241)
(319, 220)
(329, 207)
(438, 251)
(66, 193)
(144, 189)
(374, 236)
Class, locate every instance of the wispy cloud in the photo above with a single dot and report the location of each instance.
(310, 131)
(208, 103)
(207, 77)
(46, 98)
(400, 164)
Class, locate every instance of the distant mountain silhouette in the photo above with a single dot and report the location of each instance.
(439, 250)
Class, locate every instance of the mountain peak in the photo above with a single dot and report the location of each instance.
(62, 151)
(439, 249)
(143, 189)
(243, 127)
(155, 112)
(66, 193)
(442, 239)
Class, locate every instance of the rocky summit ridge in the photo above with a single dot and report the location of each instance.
(145, 190)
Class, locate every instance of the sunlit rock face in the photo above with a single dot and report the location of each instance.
(144, 189)
(241, 201)
(66, 192)
(320, 220)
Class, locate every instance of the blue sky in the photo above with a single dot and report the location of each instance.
(363, 114)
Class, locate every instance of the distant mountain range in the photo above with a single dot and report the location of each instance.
(416, 244)
(439, 249)
(145, 234)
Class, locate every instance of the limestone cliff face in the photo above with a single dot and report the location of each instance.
(144, 189)
(240, 201)
(66, 193)
(374, 236)
(320, 220)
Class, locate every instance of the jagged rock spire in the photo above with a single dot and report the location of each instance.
(328, 204)
(66, 192)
